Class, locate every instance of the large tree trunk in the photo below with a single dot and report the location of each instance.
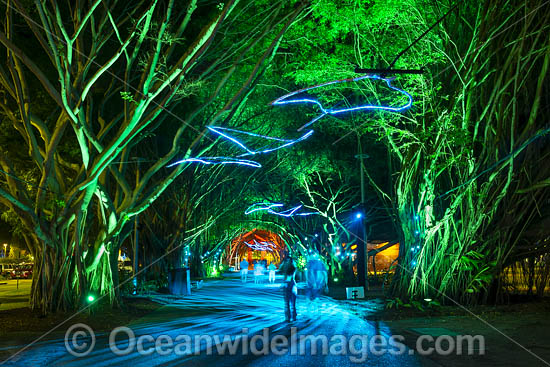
(472, 180)
(63, 276)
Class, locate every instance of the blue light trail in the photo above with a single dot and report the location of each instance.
(261, 246)
(218, 160)
(223, 132)
(326, 111)
(269, 206)
(285, 213)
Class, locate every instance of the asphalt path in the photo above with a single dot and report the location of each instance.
(249, 318)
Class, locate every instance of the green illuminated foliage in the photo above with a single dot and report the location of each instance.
(102, 82)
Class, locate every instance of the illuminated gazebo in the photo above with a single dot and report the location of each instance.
(255, 245)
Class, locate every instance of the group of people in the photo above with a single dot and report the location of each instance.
(258, 272)
(316, 279)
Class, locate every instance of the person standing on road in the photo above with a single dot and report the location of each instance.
(258, 272)
(272, 269)
(290, 290)
(317, 278)
(244, 270)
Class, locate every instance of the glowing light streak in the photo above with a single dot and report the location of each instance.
(218, 160)
(285, 213)
(327, 111)
(261, 246)
(223, 132)
(291, 212)
(269, 206)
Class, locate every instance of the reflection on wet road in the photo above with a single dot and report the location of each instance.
(238, 312)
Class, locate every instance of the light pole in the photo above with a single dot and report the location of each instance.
(5, 245)
(362, 265)
(135, 263)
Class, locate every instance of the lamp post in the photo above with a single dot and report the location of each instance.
(5, 245)
(362, 266)
(135, 263)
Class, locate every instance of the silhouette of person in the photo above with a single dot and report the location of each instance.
(290, 290)
(272, 269)
(258, 272)
(317, 278)
(244, 270)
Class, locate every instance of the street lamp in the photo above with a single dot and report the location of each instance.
(135, 264)
(362, 258)
(5, 245)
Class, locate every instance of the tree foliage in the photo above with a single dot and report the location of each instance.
(103, 77)
(465, 165)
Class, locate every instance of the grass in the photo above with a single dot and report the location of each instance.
(21, 326)
(517, 306)
(102, 318)
(14, 293)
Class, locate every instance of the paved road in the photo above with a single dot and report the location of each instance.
(225, 307)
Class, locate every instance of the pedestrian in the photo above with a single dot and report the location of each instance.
(290, 290)
(272, 269)
(244, 270)
(258, 272)
(317, 278)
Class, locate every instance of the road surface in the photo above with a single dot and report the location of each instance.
(227, 308)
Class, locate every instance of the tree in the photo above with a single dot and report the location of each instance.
(465, 164)
(110, 73)
(464, 170)
(193, 215)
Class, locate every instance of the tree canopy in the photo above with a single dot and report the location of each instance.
(104, 95)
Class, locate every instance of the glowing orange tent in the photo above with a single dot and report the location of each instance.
(255, 245)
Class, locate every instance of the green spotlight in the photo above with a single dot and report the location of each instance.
(91, 298)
